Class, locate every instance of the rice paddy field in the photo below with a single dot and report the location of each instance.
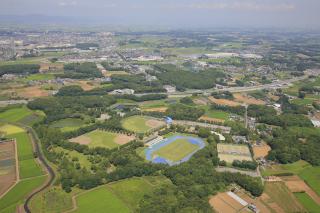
(16, 195)
(141, 124)
(31, 174)
(100, 138)
(122, 196)
(68, 124)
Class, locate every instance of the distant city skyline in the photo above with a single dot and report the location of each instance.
(175, 13)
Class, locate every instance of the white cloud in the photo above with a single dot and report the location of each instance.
(235, 5)
(67, 3)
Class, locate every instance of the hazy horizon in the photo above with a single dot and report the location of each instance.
(178, 13)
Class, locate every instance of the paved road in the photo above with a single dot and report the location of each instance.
(275, 85)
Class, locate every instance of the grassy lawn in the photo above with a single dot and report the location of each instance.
(68, 124)
(176, 150)
(307, 202)
(294, 168)
(83, 160)
(153, 104)
(136, 124)
(17, 194)
(52, 201)
(217, 114)
(305, 101)
(101, 138)
(120, 196)
(283, 197)
(28, 167)
(100, 200)
(40, 76)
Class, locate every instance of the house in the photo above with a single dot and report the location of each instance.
(239, 139)
(169, 89)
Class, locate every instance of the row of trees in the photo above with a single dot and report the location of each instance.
(19, 69)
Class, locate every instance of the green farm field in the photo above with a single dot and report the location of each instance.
(16, 195)
(311, 176)
(121, 196)
(68, 124)
(40, 76)
(307, 202)
(140, 124)
(176, 150)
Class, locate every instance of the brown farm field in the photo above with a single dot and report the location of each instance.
(208, 119)
(296, 184)
(223, 102)
(31, 92)
(156, 109)
(242, 98)
(8, 171)
(223, 203)
(281, 197)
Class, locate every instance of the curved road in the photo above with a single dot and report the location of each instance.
(36, 141)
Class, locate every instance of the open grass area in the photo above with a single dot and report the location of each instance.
(283, 197)
(231, 152)
(140, 124)
(40, 76)
(307, 202)
(305, 101)
(16, 195)
(100, 200)
(217, 114)
(176, 150)
(52, 201)
(68, 124)
(120, 196)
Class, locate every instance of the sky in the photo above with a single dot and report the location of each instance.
(176, 13)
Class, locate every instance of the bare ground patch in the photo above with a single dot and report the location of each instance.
(223, 203)
(123, 139)
(154, 123)
(216, 120)
(156, 109)
(83, 139)
(32, 92)
(261, 151)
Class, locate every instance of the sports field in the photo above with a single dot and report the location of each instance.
(68, 124)
(121, 196)
(231, 152)
(174, 150)
(100, 138)
(141, 124)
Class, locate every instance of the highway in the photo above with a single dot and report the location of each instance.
(207, 92)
